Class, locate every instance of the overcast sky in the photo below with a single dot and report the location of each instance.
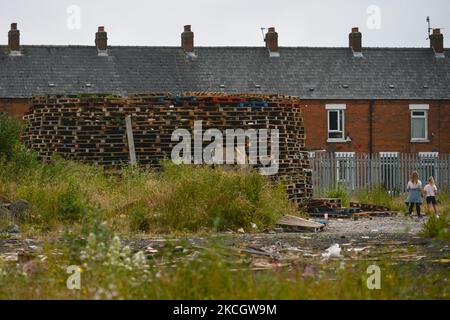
(384, 23)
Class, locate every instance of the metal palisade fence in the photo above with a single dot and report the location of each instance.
(389, 169)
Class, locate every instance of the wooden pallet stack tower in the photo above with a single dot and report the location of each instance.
(92, 129)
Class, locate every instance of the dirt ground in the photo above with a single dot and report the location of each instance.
(368, 239)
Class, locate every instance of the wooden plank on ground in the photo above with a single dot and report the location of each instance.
(292, 221)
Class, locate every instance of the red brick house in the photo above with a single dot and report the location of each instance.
(355, 99)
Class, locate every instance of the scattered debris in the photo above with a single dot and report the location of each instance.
(150, 250)
(12, 229)
(293, 223)
(331, 208)
(258, 252)
(9, 256)
(368, 207)
(19, 209)
(16, 210)
(332, 252)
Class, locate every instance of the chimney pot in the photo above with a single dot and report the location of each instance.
(355, 41)
(271, 40)
(437, 41)
(187, 40)
(14, 38)
(101, 39)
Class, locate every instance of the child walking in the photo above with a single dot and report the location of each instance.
(414, 189)
(431, 191)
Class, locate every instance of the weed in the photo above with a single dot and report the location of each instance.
(339, 193)
(437, 228)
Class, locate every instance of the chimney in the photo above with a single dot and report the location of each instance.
(437, 42)
(187, 40)
(272, 42)
(14, 39)
(101, 40)
(355, 42)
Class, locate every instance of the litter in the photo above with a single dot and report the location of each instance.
(9, 257)
(332, 252)
(357, 249)
(258, 252)
(150, 250)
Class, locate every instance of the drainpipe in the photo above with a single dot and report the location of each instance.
(371, 104)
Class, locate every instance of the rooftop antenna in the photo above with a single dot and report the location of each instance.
(262, 31)
(429, 27)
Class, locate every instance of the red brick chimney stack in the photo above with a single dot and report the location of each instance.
(437, 41)
(272, 40)
(101, 39)
(355, 40)
(187, 39)
(14, 38)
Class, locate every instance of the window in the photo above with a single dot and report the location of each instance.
(419, 123)
(336, 122)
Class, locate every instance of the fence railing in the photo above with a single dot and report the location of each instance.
(364, 171)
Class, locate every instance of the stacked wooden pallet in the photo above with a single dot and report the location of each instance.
(91, 128)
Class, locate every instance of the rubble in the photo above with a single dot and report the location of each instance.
(16, 210)
(332, 208)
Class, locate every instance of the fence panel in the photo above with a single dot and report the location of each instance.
(364, 171)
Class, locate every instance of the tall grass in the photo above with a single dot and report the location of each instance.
(10, 130)
(178, 198)
(378, 195)
(339, 192)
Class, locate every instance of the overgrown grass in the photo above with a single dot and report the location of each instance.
(176, 199)
(112, 271)
(380, 196)
(438, 228)
(339, 193)
(10, 130)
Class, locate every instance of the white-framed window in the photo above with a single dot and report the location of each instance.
(419, 122)
(336, 122)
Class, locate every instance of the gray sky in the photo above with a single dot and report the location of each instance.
(384, 23)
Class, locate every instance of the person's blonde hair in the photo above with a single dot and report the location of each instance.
(431, 181)
(415, 177)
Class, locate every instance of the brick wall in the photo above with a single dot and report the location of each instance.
(14, 107)
(391, 126)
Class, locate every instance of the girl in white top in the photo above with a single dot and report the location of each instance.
(431, 191)
(414, 189)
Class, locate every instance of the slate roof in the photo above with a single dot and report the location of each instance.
(310, 73)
